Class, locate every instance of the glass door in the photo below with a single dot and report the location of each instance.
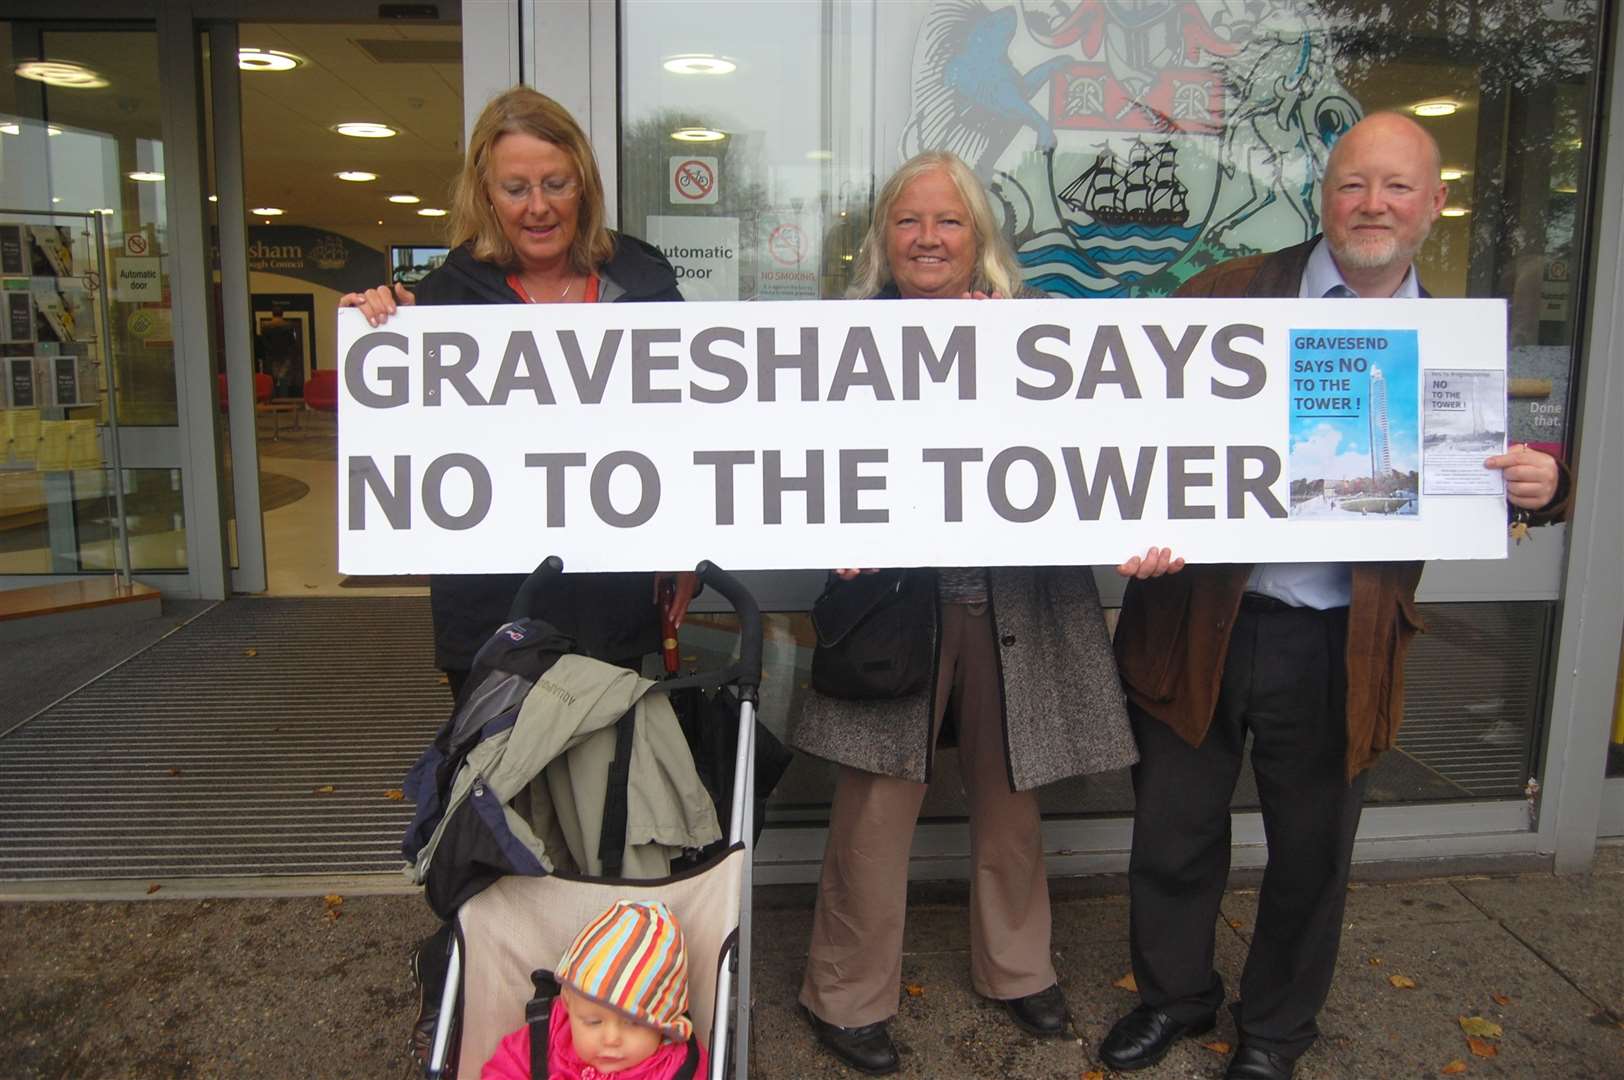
(89, 384)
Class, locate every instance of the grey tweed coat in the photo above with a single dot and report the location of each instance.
(1063, 704)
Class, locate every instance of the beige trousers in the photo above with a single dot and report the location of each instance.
(854, 969)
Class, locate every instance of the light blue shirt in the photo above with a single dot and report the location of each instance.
(1319, 585)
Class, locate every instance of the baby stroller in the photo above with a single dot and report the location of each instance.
(512, 912)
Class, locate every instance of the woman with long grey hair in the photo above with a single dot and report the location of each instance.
(1022, 672)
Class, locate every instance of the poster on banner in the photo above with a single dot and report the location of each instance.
(791, 255)
(704, 252)
(902, 433)
(1353, 406)
(1465, 421)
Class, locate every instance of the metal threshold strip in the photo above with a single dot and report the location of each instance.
(265, 737)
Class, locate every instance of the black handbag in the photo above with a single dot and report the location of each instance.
(874, 636)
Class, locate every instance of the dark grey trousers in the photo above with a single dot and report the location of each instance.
(1285, 683)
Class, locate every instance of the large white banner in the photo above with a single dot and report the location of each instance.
(914, 433)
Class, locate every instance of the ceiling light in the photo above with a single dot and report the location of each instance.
(10, 129)
(358, 129)
(52, 129)
(106, 210)
(697, 134)
(1441, 107)
(214, 198)
(699, 64)
(404, 199)
(1453, 211)
(431, 211)
(56, 198)
(147, 177)
(61, 73)
(820, 155)
(268, 211)
(1567, 189)
(356, 176)
(1451, 173)
(267, 60)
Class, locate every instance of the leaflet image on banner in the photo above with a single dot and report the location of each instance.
(1465, 424)
(1354, 409)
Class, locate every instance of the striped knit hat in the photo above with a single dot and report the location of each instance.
(632, 958)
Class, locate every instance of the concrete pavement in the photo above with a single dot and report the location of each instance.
(207, 979)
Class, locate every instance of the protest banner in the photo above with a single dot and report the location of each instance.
(914, 433)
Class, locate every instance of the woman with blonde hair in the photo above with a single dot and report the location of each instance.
(1021, 669)
(527, 227)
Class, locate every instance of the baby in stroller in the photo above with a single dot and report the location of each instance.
(622, 1006)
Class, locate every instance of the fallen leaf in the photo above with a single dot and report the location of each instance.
(250, 652)
(1502, 999)
(915, 990)
(1093, 1074)
(1481, 1048)
(333, 903)
(394, 794)
(444, 680)
(1127, 983)
(1219, 1048)
(1375, 961)
(1476, 1025)
(325, 789)
(1401, 982)
(1235, 924)
(1454, 1068)
(174, 772)
(153, 888)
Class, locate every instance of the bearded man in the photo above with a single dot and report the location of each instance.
(1306, 657)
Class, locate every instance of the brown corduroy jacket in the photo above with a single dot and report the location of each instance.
(1173, 636)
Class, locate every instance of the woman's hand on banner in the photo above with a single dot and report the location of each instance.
(377, 304)
(1154, 563)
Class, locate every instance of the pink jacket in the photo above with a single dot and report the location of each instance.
(512, 1058)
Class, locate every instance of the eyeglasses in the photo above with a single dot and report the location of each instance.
(553, 189)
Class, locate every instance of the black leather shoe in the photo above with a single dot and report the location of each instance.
(868, 1048)
(1254, 1063)
(1042, 1013)
(1143, 1037)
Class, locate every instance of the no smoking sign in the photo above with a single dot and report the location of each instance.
(693, 181)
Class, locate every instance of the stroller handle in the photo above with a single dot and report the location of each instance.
(747, 672)
(524, 601)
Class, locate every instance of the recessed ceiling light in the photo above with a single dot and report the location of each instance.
(61, 73)
(268, 211)
(699, 64)
(56, 198)
(1451, 173)
(404, 199)
(431, 211)
(820, 155)
(1441, 107)
(147, 177)
(356, 176)
(267, 60)
(1453, 211)
(358, 129)
(698, 134)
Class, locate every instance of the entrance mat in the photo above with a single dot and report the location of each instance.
(267, 736)
(384, 581)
